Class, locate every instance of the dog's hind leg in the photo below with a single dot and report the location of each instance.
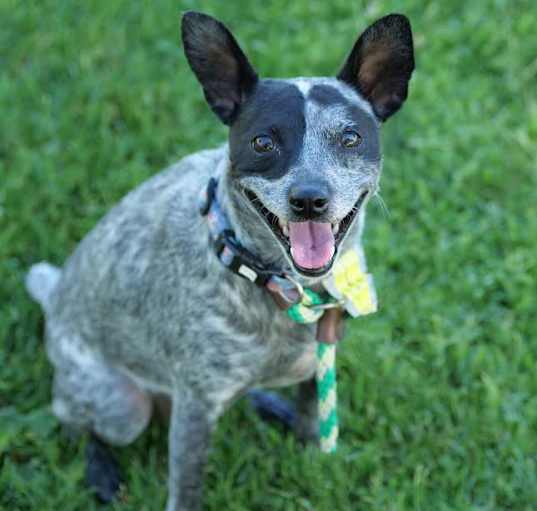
(91, 396)
(270, 406)
(103, 475)
(98, 398)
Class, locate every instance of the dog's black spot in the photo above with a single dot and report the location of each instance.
(328, 96)
(276, 109)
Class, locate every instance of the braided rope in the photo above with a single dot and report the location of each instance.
(305, 312)
(351, 283)
(327, 397)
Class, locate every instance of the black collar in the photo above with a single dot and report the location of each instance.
(224, 242)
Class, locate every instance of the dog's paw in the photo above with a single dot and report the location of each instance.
(103, 476)
(273, 407)
(306, 429)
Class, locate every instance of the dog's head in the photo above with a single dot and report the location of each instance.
(305, 152)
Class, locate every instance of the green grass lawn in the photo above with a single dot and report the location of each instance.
(438, 391)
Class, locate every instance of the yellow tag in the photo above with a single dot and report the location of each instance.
(354, 284)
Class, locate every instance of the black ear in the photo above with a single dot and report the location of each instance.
(219, 64)
(380, 64)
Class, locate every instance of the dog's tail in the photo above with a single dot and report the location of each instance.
(41, 281)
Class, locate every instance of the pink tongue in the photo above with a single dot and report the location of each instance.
(312, 244)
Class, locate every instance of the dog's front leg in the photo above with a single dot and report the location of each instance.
(307, 422)
(189, 436)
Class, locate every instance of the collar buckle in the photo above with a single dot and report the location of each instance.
(236, 259)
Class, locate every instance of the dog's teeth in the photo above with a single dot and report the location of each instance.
(283, 227)
(335, 229)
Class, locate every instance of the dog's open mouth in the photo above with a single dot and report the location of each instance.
(312, 246)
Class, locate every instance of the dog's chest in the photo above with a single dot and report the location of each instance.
(295, 366)
(290, 351)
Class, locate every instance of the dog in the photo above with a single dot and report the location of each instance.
(147, 307)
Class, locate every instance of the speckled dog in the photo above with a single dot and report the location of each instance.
(144, 307)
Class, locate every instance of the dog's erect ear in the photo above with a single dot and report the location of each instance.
(380, 64)
(219, 64)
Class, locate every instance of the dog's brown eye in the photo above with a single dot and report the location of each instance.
(263, 144)
(350, 138)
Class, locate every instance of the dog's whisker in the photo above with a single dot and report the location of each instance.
(382, 204)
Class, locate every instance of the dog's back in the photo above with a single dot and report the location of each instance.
(106, 288)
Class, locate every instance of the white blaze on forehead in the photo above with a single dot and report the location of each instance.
(304, 85)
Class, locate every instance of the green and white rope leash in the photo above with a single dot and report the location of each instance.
(327, 396)
(325, 376)
(350, 284)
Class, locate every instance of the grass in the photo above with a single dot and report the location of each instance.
(438, 390)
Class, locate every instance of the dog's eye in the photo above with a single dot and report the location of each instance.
(263, 144)
(350, 138)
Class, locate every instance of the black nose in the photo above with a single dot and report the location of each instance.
(309, 200)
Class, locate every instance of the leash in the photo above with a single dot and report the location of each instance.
(349, 290)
